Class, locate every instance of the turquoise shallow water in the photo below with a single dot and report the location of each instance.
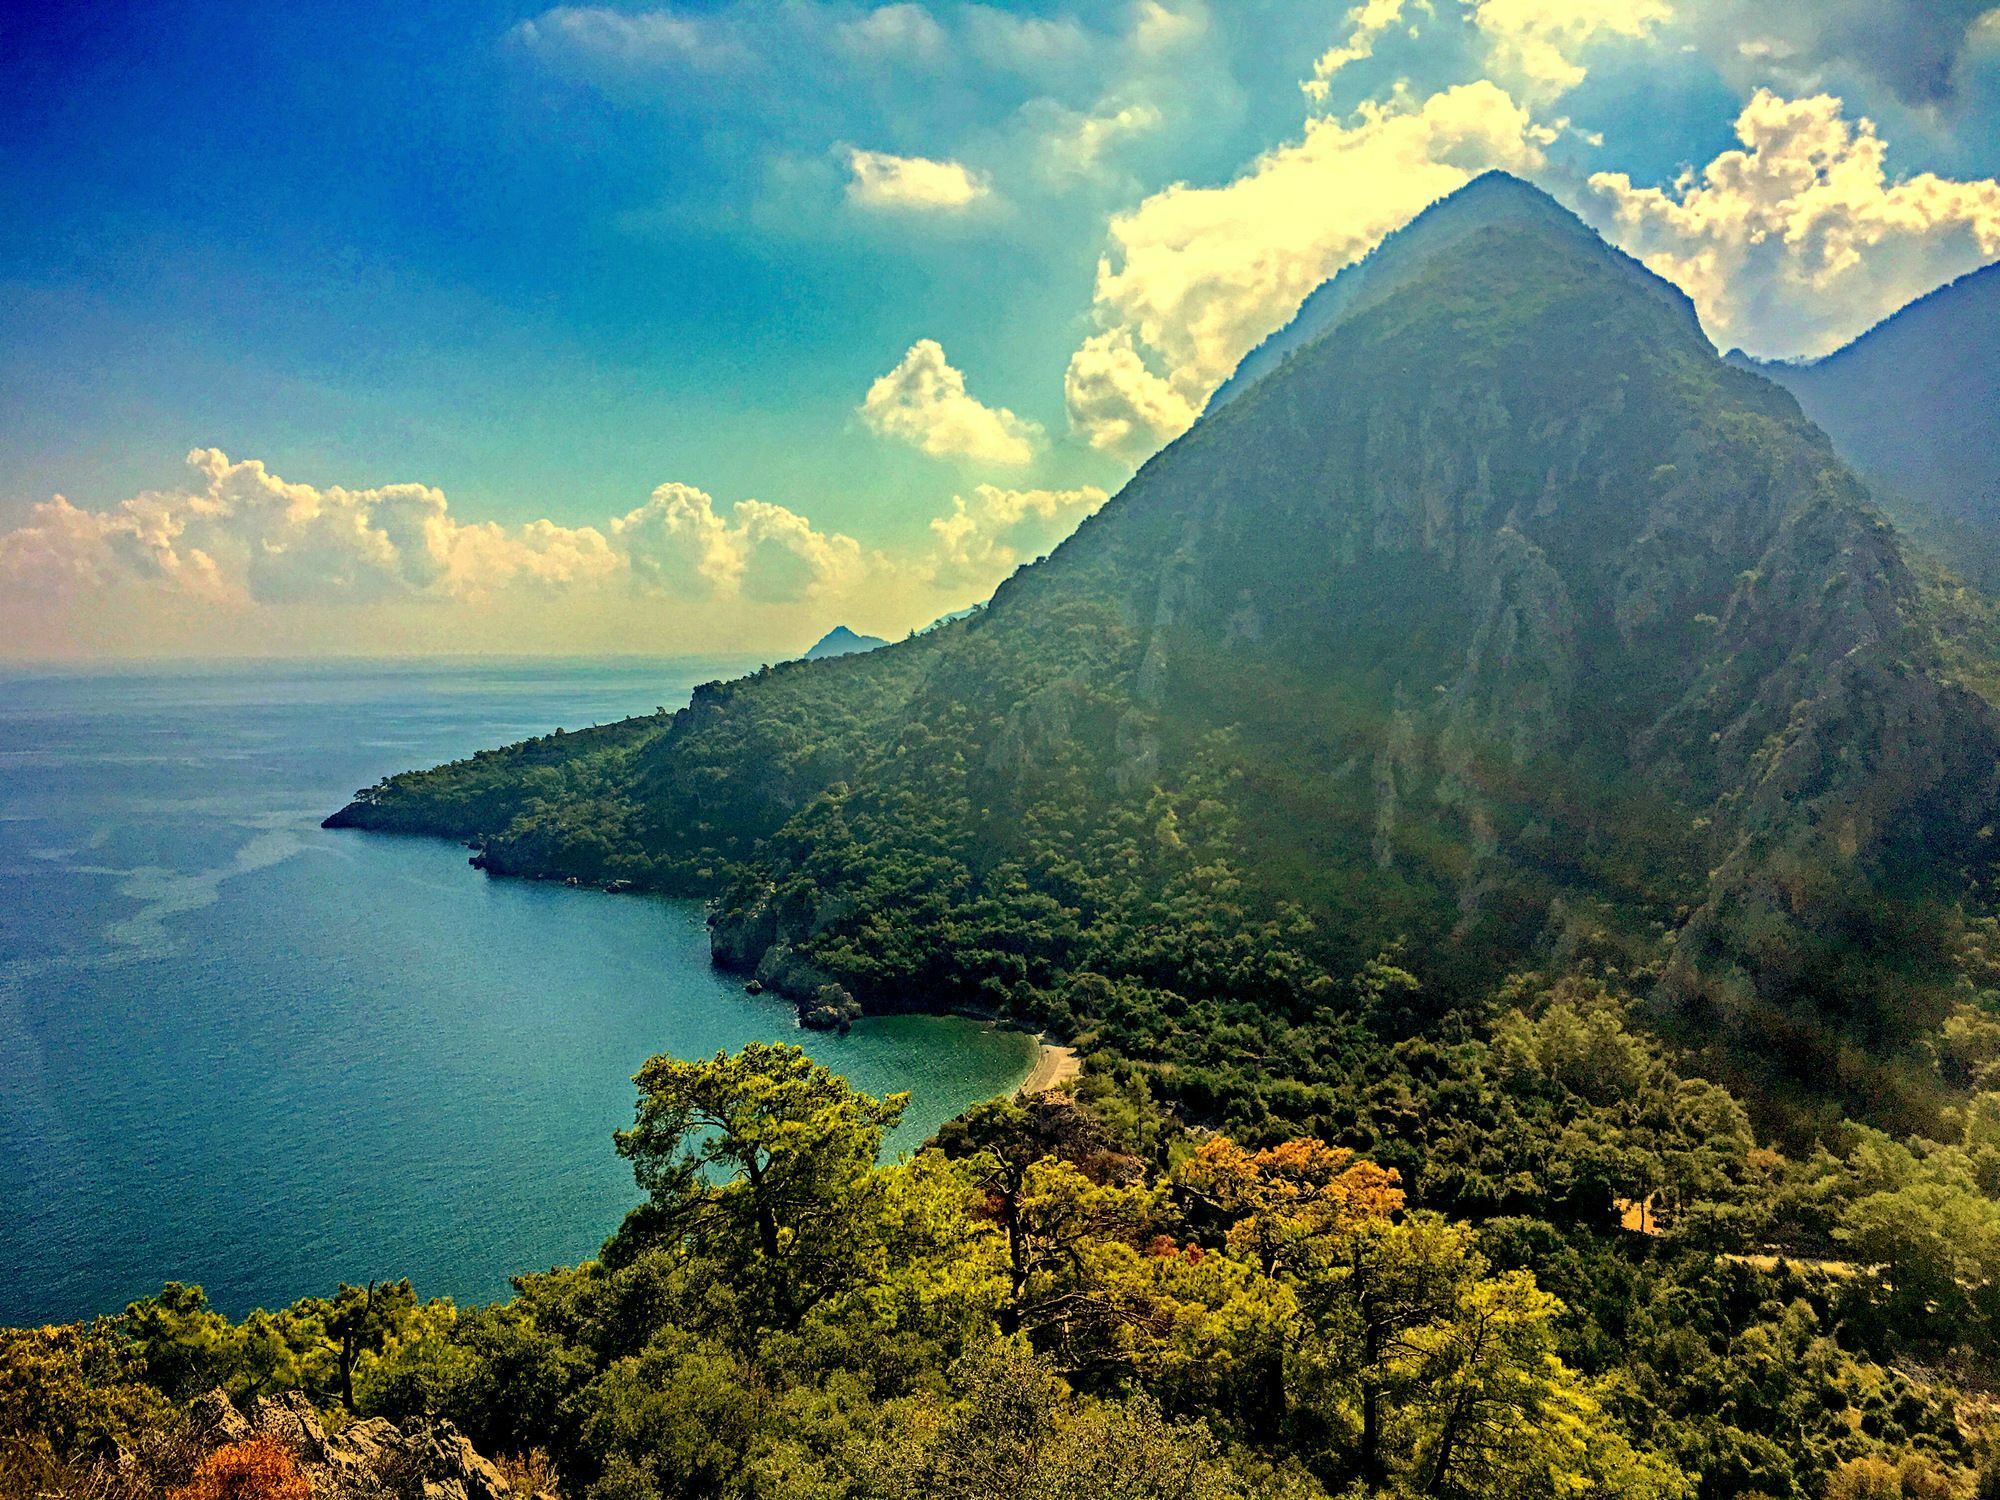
(239, 1050)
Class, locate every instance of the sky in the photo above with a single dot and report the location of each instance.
(437, 327)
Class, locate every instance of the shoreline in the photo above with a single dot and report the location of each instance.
(1054, 1064)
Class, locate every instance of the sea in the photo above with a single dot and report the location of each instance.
(242, 1051)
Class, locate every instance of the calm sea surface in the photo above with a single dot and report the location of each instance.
(238, 1050)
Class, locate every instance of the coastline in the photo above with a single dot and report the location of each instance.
(1054, 1065)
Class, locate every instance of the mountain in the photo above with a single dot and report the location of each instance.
(1914, 405)
(840, 641)
(1488, 203)
(1490, 621)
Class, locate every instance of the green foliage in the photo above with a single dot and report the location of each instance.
(68, 1395)
(329, 1347)
(794, 1146)
(1028, 1308)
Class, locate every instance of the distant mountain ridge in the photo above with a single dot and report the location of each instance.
(1914, 405)
(840, 641)
(1488, 612)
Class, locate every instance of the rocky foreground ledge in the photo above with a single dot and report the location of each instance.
(423, 1459)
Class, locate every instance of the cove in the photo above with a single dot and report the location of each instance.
(239, 1050)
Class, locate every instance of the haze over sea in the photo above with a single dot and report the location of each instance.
(239, 1050)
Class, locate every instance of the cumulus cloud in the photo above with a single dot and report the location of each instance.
(1800, 240)
(483, 557)
(912, 184)
(1194, 278)
(238, 536)
(1534, 46)
(985, 538)
(924, 402)
(677, 543)
(1365, 25)
(1538, 44)
(242, 556)
(1117, 401)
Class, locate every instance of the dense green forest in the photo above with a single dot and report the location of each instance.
(1506, 823)
(1561, 1291)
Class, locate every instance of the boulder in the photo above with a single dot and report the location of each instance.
(214, 1421)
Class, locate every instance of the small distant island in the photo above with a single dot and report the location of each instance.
(840, 641)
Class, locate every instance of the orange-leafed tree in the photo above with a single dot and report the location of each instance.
(255, 1469)
(1296, 1191)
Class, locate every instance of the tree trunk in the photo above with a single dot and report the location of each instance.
(767, 1236)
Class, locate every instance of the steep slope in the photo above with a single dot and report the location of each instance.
(1914, 405)
(1496, 614)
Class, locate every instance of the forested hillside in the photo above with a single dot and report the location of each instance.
(1498, 619)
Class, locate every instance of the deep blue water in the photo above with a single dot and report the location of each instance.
(239, 1050)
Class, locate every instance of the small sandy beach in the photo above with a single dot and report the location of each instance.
(1053, 1065)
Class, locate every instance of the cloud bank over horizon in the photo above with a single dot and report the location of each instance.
(238, 550)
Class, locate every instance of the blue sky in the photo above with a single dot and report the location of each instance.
(706, 325)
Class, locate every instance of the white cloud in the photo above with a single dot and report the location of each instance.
(238, 543)
(786, 558)
(643, 39)
(241, 559)
(1159, 28)
(1078, 143)
(1799, 241)
(912, 184)
(983, 540)
(1035, 46)
(483, 557)
(904, 33)
(1537, 43)
(942, 113)
(677, 544)
(1365, 25)
(1197, 277)
(924, 402)
(1117, 400)
(240, 537)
